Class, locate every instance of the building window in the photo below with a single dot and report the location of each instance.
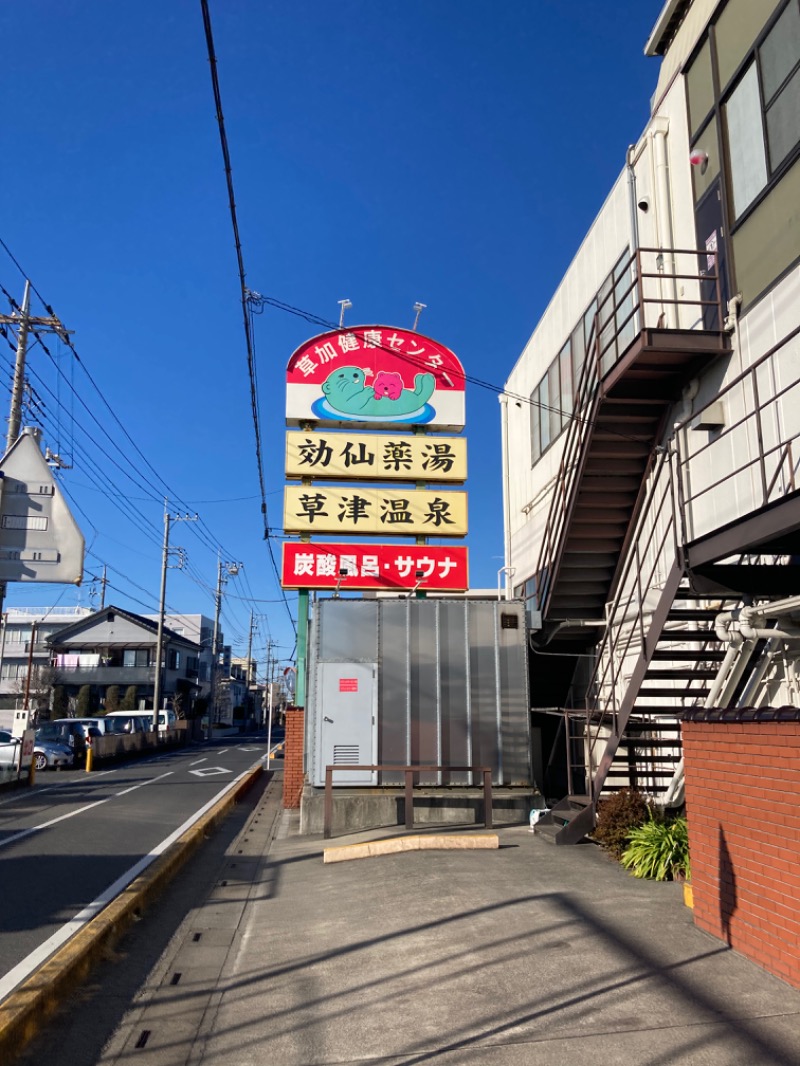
(136, 657)
(173, 659)
(553, 399)
(762, 111)
(746, 150)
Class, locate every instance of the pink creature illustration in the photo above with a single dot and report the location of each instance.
(387, 383)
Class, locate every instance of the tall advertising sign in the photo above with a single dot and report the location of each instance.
(344, 390)
(375, 376)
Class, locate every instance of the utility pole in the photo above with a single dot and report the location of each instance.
(231, 570)
(26, 697)
(103, 583)
(24, 322)
(248, 698)
(162, 602)
(270, 645)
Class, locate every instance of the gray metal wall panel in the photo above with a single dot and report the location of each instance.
(349, 631)
(454, 694)
(424, 679)
(393, 687)
(452, 683)
(514, 697)
(483, 684)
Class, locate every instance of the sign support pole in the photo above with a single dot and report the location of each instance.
(302, 647)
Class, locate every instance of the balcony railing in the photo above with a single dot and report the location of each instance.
(645, 296)
(107, 675)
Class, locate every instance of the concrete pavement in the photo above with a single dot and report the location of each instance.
(529, 954)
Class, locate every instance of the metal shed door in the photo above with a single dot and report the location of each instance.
(348, 731)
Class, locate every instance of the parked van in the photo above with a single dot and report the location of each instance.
(130, 721)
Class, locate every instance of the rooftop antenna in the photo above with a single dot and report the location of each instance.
(344, 304)
(418, 308)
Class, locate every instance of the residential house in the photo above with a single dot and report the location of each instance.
(25, 651)
(113, 647)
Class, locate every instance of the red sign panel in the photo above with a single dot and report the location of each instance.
(386, 567)
(375, 376)
(348, 684)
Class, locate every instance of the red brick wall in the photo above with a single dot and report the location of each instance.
(293, 757)
(743, 810)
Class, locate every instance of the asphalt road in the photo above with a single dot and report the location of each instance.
(75, 840)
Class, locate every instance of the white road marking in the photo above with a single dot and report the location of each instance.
(25, 968)
(80, 782)
(81, 810)
(210, 771)
(197, 762)
(141, 784)
(53, 821)
(223, 751)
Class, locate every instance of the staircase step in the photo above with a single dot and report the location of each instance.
(678, 693)
(688, 635)
(692, 614)
(681, 673)
(676, 655)
(568, 821)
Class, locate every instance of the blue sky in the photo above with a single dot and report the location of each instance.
(451, 152)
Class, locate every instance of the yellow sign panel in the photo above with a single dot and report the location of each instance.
(410, 512)
(376, 457)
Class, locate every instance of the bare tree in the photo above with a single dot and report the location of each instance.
(43, 679)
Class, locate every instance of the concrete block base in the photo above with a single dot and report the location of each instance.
(358, 809)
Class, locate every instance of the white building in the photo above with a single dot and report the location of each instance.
(23, 641)
(651, 423)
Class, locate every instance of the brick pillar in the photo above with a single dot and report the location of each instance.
(293, 775)
(742, 789)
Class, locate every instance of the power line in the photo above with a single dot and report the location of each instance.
(246, 317)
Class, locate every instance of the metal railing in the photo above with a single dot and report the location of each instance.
(772, 473)
(408, 772)
(770, 468)
(654, 549)
(635, 301)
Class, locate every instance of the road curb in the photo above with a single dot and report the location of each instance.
(24, 1010)
(429, 842)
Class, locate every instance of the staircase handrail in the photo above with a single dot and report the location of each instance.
(586, 400)
(625, 614)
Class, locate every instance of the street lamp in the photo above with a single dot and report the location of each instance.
(342, 576)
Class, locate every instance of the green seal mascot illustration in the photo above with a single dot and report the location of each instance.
(346, 391)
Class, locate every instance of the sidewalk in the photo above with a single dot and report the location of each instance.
(529, 955)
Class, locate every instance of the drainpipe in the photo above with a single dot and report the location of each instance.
(632, 206)
(664, 216)
(503, 398)
(755, 679)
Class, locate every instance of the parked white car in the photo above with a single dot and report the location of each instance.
(46, 753)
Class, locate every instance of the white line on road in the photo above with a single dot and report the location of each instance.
(141, 784)
(76, 782)
(222, 752)
(197, 761)
(81, 810)
(22, 970)
(53, 821)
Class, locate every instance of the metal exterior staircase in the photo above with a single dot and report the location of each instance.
(658, 655)
(610, 547)
(631, 377)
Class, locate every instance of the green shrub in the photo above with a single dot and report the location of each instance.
(112, 698)
(130, 701)
(60, 702)
(617, 816)
(658, 850)
(84, 704)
